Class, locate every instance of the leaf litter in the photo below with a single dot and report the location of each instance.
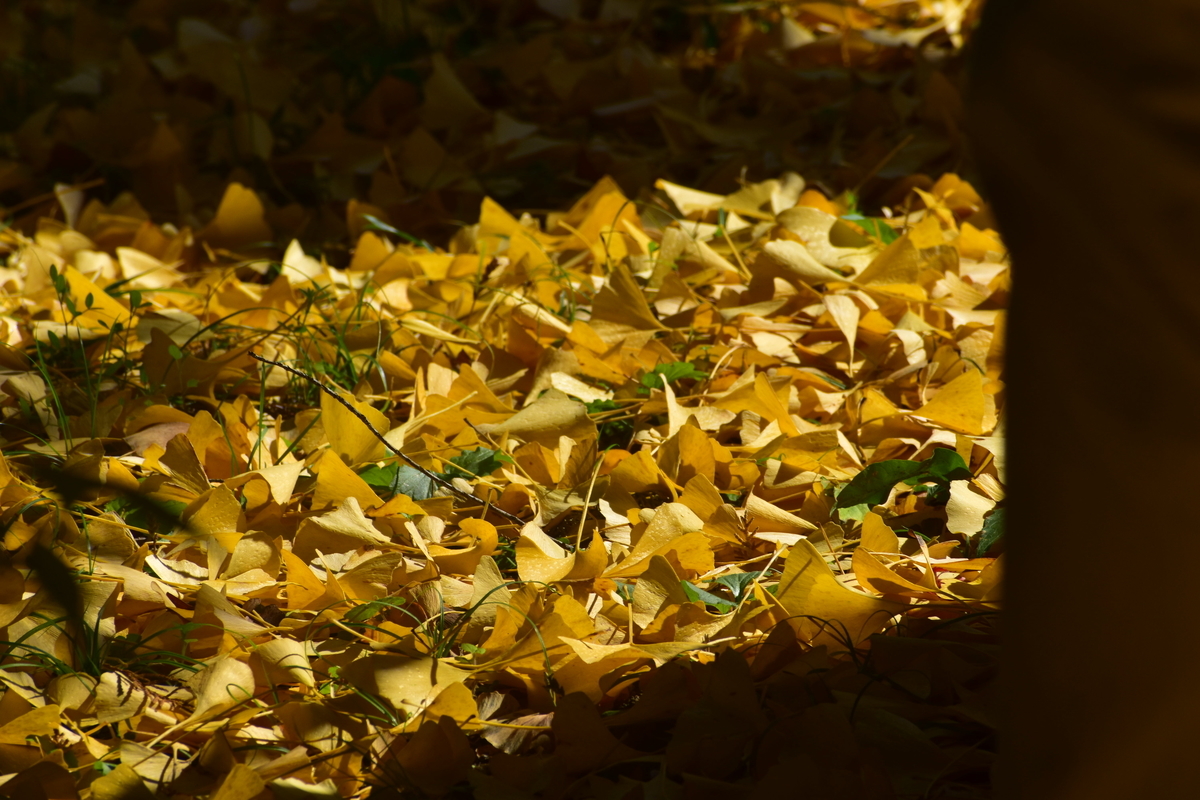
(684, 493)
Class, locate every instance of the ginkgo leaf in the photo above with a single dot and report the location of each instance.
(540, 558)
(822, 609)
(796, 259)
(873, 574)
(966, 509)
(407, 684)
(353, 441)
(551, 416)
(620, 307)
(343, 528)
(289, 660)
(336, 482)
(845, 313)
(222, 685)
(959, 405)
(689, 200)
(242, 783)
(122, 783)
(239, 221)
(298, 266)
(877, 536)
(40, 721)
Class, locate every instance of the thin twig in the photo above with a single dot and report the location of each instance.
(433, 476)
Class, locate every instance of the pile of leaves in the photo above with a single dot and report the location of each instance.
(308, 490)
(703, 495)
(422, 107)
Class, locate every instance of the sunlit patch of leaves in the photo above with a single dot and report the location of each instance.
(735, 441)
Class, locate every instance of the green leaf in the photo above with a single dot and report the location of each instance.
(873, 485)
(615, 432)
(937, 494)
(175, 352)
(398, 479)
(625, 590)
(855, 512)
(874, 227)
(736, 583)
(380, 477)
(368, 611)
(993, 531)
(942, 467)
(946, 465)
(142, 512)
(696, 594)
(600, 406)
(477, 463)
(413, 483)
(676, 370)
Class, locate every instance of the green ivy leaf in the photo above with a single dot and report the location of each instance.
(993, 531)
(380, 477)
(937, 494)
(413, 483)
(873, 485)
(946, 465)
(477, 463)
(736, 583)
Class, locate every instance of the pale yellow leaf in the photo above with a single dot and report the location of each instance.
(959, 405)
(348, 436)
(966, 509)
(824, 611)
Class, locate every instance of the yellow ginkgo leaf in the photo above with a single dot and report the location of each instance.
(959, 405)
(824, 610)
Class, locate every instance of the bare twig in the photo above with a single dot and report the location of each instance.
(433, 476)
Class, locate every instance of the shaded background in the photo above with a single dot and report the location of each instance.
(421, 108)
